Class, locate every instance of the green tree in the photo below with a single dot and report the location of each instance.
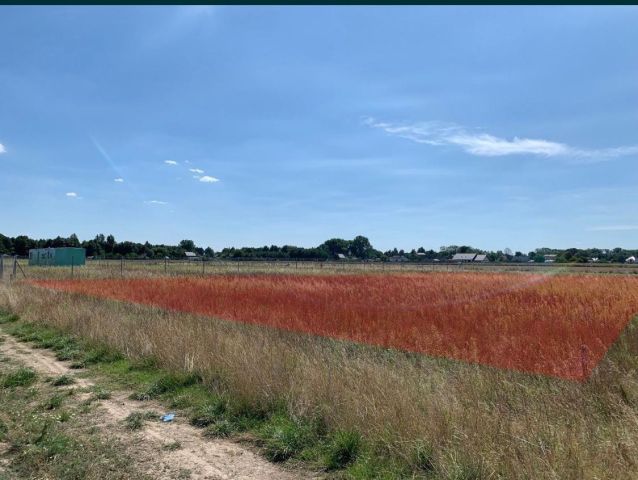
(361, 247)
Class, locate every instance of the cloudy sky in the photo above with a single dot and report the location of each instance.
(496, 127)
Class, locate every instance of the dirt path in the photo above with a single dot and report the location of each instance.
(198, 458)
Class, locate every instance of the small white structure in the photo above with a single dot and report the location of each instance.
(481, 258)
(631, 259)
(341, 256)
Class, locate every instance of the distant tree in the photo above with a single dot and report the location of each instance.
(187, 245)
(361, 247)
(335, 246)
(110, 244)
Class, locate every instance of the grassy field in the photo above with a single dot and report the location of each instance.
(417, 416)
(144, 268)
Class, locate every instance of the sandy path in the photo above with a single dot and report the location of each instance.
(202, 458)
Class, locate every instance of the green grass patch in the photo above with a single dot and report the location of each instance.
(342, 450)
(167, 383)
(54, 402)
(3, 430)
(284, 437)
(22, 377)
(8, 318)
(136, 420)
(63, 380)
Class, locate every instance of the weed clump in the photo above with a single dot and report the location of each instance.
(342, 450)
(210, 413)
(166, 384)
(284, 437)
(22, 377)
(63, 380)
(136, 420)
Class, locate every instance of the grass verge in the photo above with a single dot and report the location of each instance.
(279, 436)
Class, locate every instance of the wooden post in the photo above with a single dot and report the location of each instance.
(203, 271)
(121, 266)
(165, 265)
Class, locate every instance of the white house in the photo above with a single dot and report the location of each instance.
(631, 259)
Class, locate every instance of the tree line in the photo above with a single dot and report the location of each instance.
(359, 248)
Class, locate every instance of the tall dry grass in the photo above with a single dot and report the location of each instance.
(497, 424)
(560, 325)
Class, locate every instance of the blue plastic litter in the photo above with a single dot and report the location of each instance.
(168, 417)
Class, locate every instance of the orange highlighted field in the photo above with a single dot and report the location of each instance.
(554, 325)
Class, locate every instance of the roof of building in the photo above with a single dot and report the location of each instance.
(464, 256)
(341, 256)
(480, 257)
(190, 254)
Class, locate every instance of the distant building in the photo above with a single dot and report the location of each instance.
(631, 259)
(464, 257)
(398, 258)
(550, 258)
(341, 256)
(191, 255)
(481, 258)
(59, 257)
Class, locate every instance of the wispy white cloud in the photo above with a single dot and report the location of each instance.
(118, 180)
(71, 195)
(155, 202)
(196, 170)
(208, 179)
(2, 149)
(613, 228)
(170, 162)
(486, 145)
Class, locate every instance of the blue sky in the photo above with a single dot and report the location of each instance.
(423, 126)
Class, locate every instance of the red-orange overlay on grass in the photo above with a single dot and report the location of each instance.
(558, 325)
